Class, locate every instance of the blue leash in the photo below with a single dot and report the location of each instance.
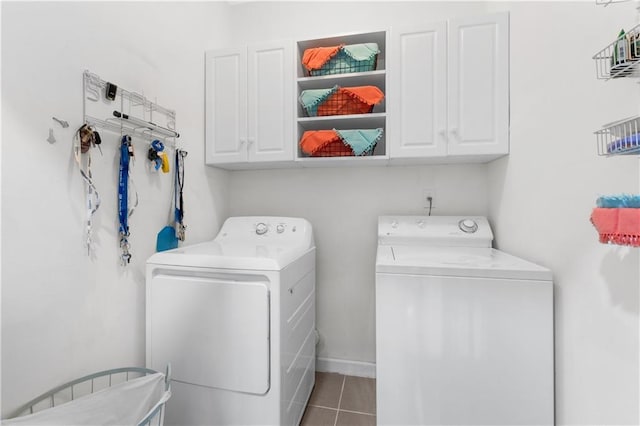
(126, 150)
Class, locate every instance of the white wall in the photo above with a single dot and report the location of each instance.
(65, 315)
(540, 197)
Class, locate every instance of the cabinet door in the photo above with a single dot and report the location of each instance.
(271, 101)
(226, 106)
(417, 95)
(479, 85)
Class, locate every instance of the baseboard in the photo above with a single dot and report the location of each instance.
(343, 366)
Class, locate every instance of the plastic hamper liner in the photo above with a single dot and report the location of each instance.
(126, 403)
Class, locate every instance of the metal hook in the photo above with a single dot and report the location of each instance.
(124, 245)
(51, 138)
(126, 259)
(63, 123)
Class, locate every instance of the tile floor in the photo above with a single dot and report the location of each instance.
(339, 400)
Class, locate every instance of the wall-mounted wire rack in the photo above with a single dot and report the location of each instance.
(620, 58)
(127, 113)
(620, 137)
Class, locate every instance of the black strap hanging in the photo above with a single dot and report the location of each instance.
(179, 197)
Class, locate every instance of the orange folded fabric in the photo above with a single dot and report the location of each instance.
(367, 94)
(351, 100)
(324, 143)
(617, 226)
(316, 57)
(314, 140)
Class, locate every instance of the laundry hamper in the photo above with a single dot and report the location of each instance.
(340, 59)
(123, 396)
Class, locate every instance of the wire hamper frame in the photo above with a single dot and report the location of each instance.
(154, 416)
(342, 63)
(341, 102)
(335, 147)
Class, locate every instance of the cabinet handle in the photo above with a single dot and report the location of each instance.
(242, 141)
(251, 141)
(454, 132)
(443, 134)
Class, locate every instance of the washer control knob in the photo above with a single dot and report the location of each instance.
(261, 228)
(394, 224)
(280, 228)
(468, 225)
(420, 223)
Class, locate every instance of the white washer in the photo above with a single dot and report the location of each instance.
(235, 317)
(464, 332)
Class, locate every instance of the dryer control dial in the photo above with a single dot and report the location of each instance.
(468, 225)
(261, 228)
(280, 228)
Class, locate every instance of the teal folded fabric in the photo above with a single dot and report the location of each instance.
(619, 201)
(360, 141)
(362, 51)
(310, 99)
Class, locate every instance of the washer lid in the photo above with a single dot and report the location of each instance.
(231, 255)
(481, 262)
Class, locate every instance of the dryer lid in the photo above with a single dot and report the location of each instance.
(481, 262)
(230, 255)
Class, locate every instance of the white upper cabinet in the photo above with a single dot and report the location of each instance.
(444, 86)
(226, 106)
(249, 105)
(479, 85)
(418, 87)
(449, 97)
(271, 102)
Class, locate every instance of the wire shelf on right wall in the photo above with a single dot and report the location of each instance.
(620, 58)
(620, 137)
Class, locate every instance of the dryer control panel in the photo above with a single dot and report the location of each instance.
(463, 231)
(267, 229)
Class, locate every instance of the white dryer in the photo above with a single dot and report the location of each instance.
(464, 332)
(235, 317)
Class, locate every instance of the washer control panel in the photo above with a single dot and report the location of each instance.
(468, 225)
(466, 231)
